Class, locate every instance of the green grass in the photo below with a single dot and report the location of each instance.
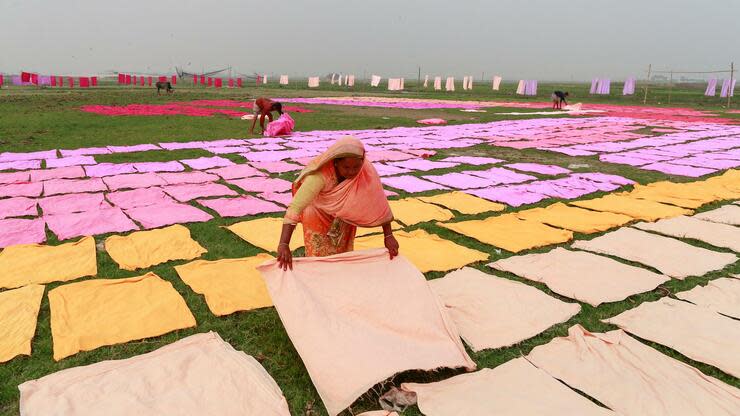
(32, 119)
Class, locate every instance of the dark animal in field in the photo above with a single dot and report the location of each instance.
(162, 85)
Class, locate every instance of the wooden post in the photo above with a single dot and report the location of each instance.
(650, 67)
(670, 87)
(418, 80)
(729, 90)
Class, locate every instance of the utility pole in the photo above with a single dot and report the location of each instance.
(650, 67)
(418, 79)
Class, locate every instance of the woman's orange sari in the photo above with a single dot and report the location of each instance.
(331, 220)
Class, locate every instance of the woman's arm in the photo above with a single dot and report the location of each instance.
(285, 257)
(310, 188)
(390, 241)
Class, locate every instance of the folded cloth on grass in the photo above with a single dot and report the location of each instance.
(727, 214)
(143, 249)
(18, 206)
(208, 162)
(265, 233)
(412, 211)
(719, 295)
(101, 221)
(262, 184)
(229, 285)
(133, 181)
(68, 186)
(686, 195)
(574, 219)
(197, 375)
(94, 313)
(668, 255)
(582, 276)
(336, 312)
(154, 216)
(69, 172)
(27, 264)
(418, 244)
(139, 198)
(410, 183)
(696, 332)
(513, 388)
(30, 189)
(493, 312)
(463, 203)
(640, 209)
(22, 231)
(509, 232)
(632, 378)
(241, 206)
(179, 178)
(19, 311)
(66, 204)
(719, 235)
(188, 192)
(236, 172)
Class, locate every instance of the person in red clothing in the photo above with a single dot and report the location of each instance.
(264, 107)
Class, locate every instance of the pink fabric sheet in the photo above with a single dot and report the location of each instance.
(18, 207)
(236, 172)
(510, 195)
(387, 170)
(276, 167)
(63, 204)
(178, 178)
(69, 186)
(679, 170)
(103, 221)
(188, 192)
(538, 168)
(31, 189)
(14, 177)
(171, 166)
(85, 151)
(154, 216)
(459, 180)
(240, 206)
(139, 198)
(20, 165)
(109, 169)
(202, 163)
(12, 156)
(501, 176)
(22, 231)
(424, 165)
(71, 172)
(262, 184)
(284, 198)
(133, 148)
(410, 183)
(70, 161)
(133, 181)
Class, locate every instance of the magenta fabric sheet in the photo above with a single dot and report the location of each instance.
(70, 161)
(671, 169)
(237, 172)
(284, 198)
(538, 168)
(387, 170)
(568, 151)
(172, 166)
(274, 156)
(13, 157)
(63, 204)
(511, 195)
(268, 146)
(225, 150)
(188, 192)
(31, 189)
(14, 177)
(70, 186)
(134, 148)
(623, 160)
(133, 180)
(178, 178)
(183, 145)
(154, 216)
(103, 221)
(85, 151)
(473, 160)
(500, 175)
(604, 177)
(387, 155)
(15, 231)
(240, 206)
(139, 198)
(20, 165)
(460, 180)
(410, 183)
(262, 184)
(276, 167)
(202, 163)
(707, 162)
(18, 207)
(109, 169)
(424, 165)
(225, 142)
(71, 172)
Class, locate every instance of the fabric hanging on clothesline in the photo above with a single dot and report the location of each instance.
(333, 78)
(594, 85)
(711, 90)
(375, 81)
(283, 80)
(530, 87)
(520, 87)
(496, 83)
(450, 84)
(470, 82)
(629, 86)
(465, 83)
(728, 88)
(437, 83)
(426, 81)
(313, 82)
(350, 80)
(339, 80)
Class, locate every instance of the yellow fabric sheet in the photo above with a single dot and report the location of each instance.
(93, 313)
(34, 263)
(265, 233)
(725, 186)
(640, 209)
(463, 203)
(510, 233)
(428, 252)
(412, 211)
(19, 310)
(375, 230)
(143, 249)
(229, 285)
(686, 195)
(574, 219)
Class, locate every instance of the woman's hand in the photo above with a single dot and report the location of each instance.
(392, 245)
(285, 257)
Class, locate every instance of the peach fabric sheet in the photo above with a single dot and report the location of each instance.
(515, 388)
(728, 214)
(148, 248)
(719, 295)
(574, 219)
(631, 378)
(19, 310)
(94, 313)
(640, 209)
(418, 244)
(719, 235)
(198, 375)
(493, 312)
(583, 276)
(668, 255)
(265, 233)
(696, 332)
(229, 285)
(509, 232)
(358, 318)
(34, 263)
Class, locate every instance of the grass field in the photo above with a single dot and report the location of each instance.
(32, 119)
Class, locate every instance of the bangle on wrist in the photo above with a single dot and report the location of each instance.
(389, 235)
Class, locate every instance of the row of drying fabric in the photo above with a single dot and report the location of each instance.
(602, 86)
(728, 88)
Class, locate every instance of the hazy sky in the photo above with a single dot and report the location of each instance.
(538, 39)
